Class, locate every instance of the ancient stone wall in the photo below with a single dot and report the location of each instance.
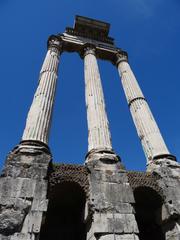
(111, 199)
(23, 192)
(168, 179)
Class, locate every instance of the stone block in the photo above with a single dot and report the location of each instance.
(22, 236)
(117, 207)
(7, 201)
(111, 192)
(10, 221)
(108, 176)
(40, 205)
(119, 237)
(28, 188)
(10, 187)
(40, 189)
(26, 169)
(4, 237)
(32, 222)
(115, 223)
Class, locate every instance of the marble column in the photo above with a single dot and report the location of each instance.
(99, 137)
(39, 117)
(146, 126)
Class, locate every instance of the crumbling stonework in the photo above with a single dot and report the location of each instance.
(69, 173)
(110, 202)
(100, 200)
(168, 172)
(108, 187)
(23, 190)
(144, 179)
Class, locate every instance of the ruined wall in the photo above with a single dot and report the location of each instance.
(108, 187)
(23, 190)
(168, 173)
(110, 203)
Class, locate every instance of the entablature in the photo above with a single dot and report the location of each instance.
(77, 44)
(89, 32)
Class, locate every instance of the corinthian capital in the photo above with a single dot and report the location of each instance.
(120, 56)
(55, 42)
(90, 49)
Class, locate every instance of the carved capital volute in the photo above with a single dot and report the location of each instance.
(88, 49)
(120, 56)
(55, 42)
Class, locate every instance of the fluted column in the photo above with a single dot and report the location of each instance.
(147, 129)
(39, 116)
(99, 137)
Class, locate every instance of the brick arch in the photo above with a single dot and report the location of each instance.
(69, 173)
(145, 180)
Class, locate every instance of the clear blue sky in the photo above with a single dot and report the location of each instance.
(149, 30)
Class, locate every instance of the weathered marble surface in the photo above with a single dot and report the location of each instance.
(39, 117)
(110, 203)
(146, 126)
(168, 172)
(23, 193)
(98, 126)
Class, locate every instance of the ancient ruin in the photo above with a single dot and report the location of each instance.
(99, 200)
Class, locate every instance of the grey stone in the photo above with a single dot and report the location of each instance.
(168, 172)
(23, 194)
(119, 237)
(115, 223)
(11, 221)
(111, 199)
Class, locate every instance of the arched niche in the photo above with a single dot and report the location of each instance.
(148, 208)
(65, 216)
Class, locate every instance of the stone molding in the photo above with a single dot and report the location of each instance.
(32, 146)
(55, 42)
(87, 49)
(120, 56)
(102, 154)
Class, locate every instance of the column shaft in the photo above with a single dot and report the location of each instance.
(39, 116)
(147, 129)
(98, 126)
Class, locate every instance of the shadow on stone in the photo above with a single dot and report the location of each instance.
(65, 215)
(148, 206)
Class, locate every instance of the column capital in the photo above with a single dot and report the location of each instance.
(55, 42)
(88, 49)
(120, 56)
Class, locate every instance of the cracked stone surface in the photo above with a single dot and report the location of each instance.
(108, 187)
(111, 199)
(23, 192)
(168, 172)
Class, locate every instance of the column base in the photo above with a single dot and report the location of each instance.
(31, 146)
(103, 154)
(166, 156)
(161, 161)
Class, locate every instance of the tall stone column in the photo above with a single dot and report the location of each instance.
(147, 129)
(99, 137)
(39, 116)
(107, 218)
(27, 169)
(107, 179)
